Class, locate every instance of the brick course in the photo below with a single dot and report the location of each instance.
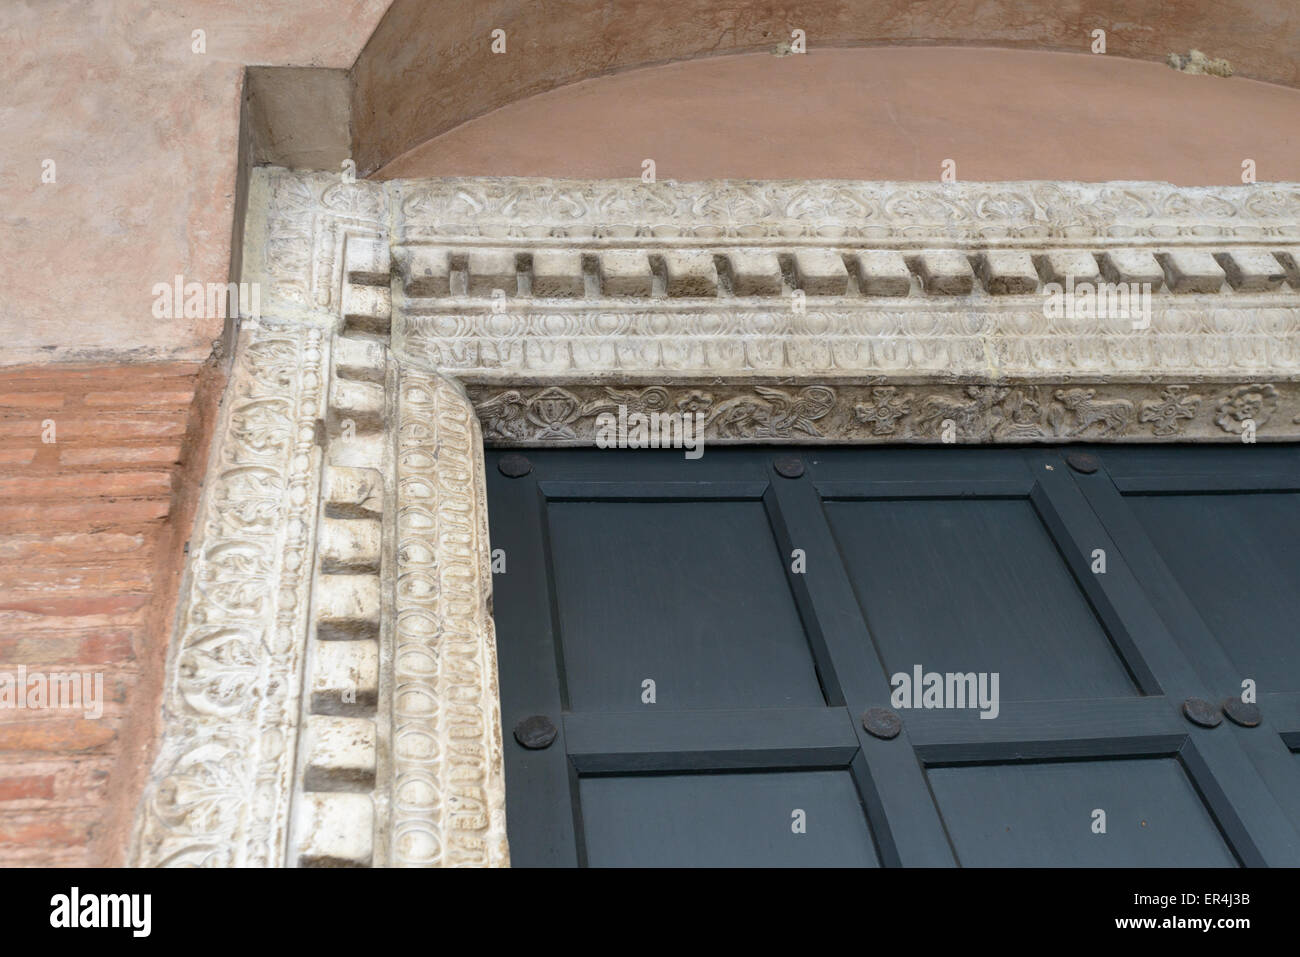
(92, 528)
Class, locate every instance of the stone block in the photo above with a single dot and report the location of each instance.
(821, 272)
(335, 830)
(361, 403)
(1192, 270)
(626, 272)
(1132, 265)
(366, 261)
(350, 545)
(344, 677)
(754, 272)
(557, 273)
(353, 492)
(340, 753)
(1008, 272)
(1289, 259)
(1252, 270)
(367, 309)
(883, 272)
(690, 272)
(347, 607)
(490, 269)
(362, 360)
(1062, 265)
(426, 271)
(944, 272)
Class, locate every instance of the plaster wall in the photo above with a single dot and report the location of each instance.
(429, 66)
(886, 114)
(143, 132)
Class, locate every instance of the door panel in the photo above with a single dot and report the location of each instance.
(975, 585)
(1043, 815)
(726, 820)
(690, 595)
(771, 612)
(1235, 557)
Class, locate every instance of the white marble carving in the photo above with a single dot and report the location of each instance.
(803, 312)
(222, 780)
(855, 414)
(448, 786)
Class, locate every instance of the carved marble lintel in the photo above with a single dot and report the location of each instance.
(493, 209)
(889, 412)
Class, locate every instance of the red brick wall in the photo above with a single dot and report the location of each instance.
(92, 527)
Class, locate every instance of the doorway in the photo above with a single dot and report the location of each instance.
(899, 656)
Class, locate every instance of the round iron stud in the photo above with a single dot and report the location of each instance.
(1084, 462)
(1199, 711)
(1244, 713)
(514, 465)
(788, 466)
(882, 723)
(535, 732)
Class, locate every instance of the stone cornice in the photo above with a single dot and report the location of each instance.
(297, 229)
(625, 282)
(916, 215)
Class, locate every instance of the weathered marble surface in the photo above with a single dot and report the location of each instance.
(337, 603)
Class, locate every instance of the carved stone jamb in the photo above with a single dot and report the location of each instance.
(448, 771)
(221, 789)
(274, 739)
(365, 729)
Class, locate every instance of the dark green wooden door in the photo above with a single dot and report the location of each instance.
(705, 637)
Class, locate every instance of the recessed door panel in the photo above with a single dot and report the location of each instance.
(689, 595)
(1051, 815)
(780, 819)
(1236, 558)
(977, 585)
(711, 643)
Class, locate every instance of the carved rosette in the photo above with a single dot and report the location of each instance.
(448, 795)
(221, 785)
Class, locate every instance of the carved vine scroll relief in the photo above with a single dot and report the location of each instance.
(222, 780)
